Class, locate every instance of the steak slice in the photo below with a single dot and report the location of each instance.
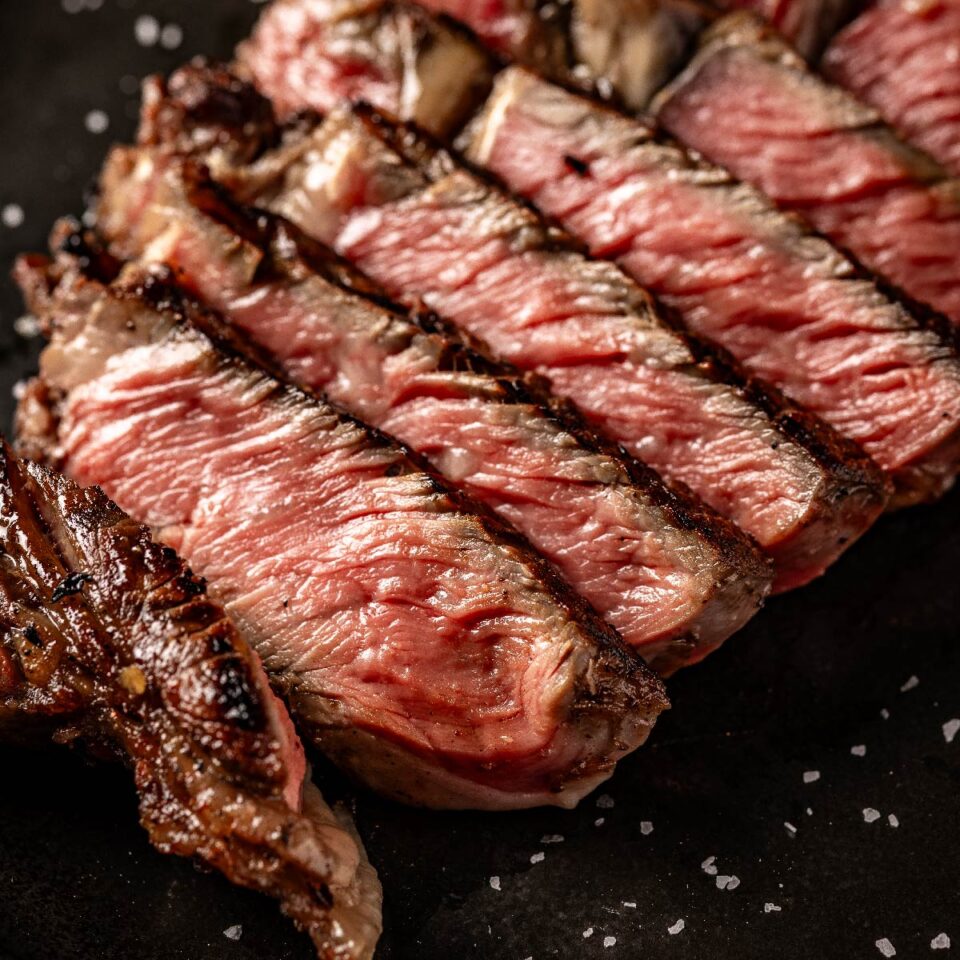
(321, 52)
(422, 646)
(904, 60)
(807, 24)
(106, 638)
(748, 102)
(673, 578)
(420, 224)
(781, 299)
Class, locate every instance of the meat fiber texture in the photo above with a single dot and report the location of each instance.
(307, 51)
(421, 645)
(107, 639)
(781, 299)
(807, 24)
(903, 58)
(803, 492)
(654, 566)
(747, 102)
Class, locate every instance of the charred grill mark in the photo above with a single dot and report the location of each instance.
(70, 586)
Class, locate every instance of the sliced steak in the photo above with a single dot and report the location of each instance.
(422, 645)
(807, 24)
(903, 59)
(749, 103)
(785, 302)
(673, 578)
(321, 52)
(422, 225)
(107, 639)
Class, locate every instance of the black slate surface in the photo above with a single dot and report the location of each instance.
(812, 677)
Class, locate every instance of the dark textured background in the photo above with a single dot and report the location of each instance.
(721, 776)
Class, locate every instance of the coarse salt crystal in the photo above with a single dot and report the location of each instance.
(605, 802)
(96, 121)
(911, 684)
(950, 729)
(791, 829)
(676, 928)
(771, 908)
(552, 838)
(646, 828)
(940, 942)
(886, 948)
(494, 883)
(233, 933)
(12, 216)
(171, 36)
(811, 776)
(599, 822)
(27, 327)
(709, 866)
(146, 29)
(630, 904)
(859, 750)
(538, 857)
(870, 814)
(728, 883)
(587, 933)
(609, 942)
(893, 821)
(885, 713)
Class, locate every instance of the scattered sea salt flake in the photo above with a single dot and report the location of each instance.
(811, 776)
(950, 729)
(727, 883)
(26, 327)
(676, 928)
(885, 713)
(538, 857)
(605, 801)
(146, 30)
(646, 828)
(709, 866)
(893, 821)
(494, 883)
(911, 684)
(588, 933)
(12, 216)
(809, 811)
(870, 814)
(860, 750)
(599, 822)
(791, 829)
(552, 838)
(171, 36)
(96, 121)
(771, 908)
(233, 933)
(940, 942)
(609, 942)
(630, 904)
(886, 948)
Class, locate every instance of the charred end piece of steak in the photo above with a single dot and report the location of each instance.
(421, 644)
(107, 639)
(671, 577)
(306, 54)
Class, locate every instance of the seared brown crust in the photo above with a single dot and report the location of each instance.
(107, 638)
(616, 693)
